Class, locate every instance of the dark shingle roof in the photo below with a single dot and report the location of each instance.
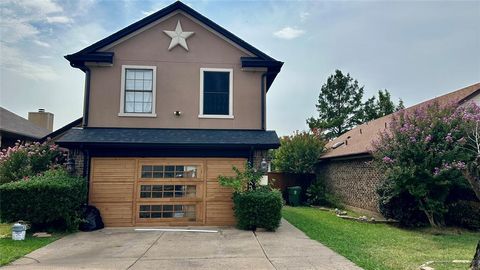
(62, 130)
(12, 123)
(171, 137)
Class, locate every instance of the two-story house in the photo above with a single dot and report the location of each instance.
(171, 102)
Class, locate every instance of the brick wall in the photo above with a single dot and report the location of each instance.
(79, 158)
(354, 181)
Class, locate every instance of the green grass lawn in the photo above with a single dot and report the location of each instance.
(381, 246)
(11, 250)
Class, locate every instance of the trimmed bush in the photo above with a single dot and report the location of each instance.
(464, 214)
(48, 201)
(261, 208)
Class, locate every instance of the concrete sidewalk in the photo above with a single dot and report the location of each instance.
(123, 248)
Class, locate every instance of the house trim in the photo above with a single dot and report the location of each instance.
(122, 112)
(230, 94)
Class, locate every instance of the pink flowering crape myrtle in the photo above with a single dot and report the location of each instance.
(426, 151)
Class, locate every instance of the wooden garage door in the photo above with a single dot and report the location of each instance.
(162, 191)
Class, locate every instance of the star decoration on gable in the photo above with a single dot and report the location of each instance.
(179, 37)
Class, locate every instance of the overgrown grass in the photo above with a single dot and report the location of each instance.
(11, 250)
(381, 246)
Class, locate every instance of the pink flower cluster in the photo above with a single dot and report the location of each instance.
(459, 165)
(387, 160)
(31, 149)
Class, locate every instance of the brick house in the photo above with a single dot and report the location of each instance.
(346, 166)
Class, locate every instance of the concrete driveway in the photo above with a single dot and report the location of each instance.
(229, 248)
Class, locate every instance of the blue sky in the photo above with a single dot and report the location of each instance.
(416, 50)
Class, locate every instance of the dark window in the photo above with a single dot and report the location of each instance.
(167, 191)
(168, 211)
(169, 171)
(216, 92)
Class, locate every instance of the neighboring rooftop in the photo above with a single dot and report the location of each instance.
(358, 141)
(15, 124)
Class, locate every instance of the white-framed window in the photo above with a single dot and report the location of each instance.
(216, 93)
(138, 91)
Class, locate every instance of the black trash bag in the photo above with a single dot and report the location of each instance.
(91, 219)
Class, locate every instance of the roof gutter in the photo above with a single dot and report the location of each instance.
(347, 156)
(86, 102)
(79, 61)
(86, 98)
(273, 67)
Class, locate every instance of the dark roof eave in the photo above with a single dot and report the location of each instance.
(165, 145)
(273, 67)
(78, 60)
(347, 156)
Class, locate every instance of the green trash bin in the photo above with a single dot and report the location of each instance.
(294, 195)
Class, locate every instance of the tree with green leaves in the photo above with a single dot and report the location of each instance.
(339, 105)
(298, 153)
(375, 107)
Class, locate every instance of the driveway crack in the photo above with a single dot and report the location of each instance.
(143, 254)
(263, 250)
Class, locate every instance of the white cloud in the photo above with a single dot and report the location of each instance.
(59, 19)
(14, 60)
(148, 13)
(41, 43)
(40, 6)
(304, 16)
(13, 30)
(289, 33)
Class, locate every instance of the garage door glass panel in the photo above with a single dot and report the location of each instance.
(167, 211)
(169, 171)
(168, 191)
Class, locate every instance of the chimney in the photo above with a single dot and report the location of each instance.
(42, 118)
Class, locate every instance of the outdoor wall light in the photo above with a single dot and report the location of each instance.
(264, 165)
(177, 113)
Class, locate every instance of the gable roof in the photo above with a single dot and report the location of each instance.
(358, 141)
(91, 53)
(15, 124)
(63, 129)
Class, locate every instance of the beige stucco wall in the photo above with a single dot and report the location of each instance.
(178, 80)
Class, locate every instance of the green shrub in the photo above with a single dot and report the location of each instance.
(299, 152)
(29, 159)
(402, 206)
(464, 214)
(260, 208)
(317, 195)
(243, 180)
(48, 201)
